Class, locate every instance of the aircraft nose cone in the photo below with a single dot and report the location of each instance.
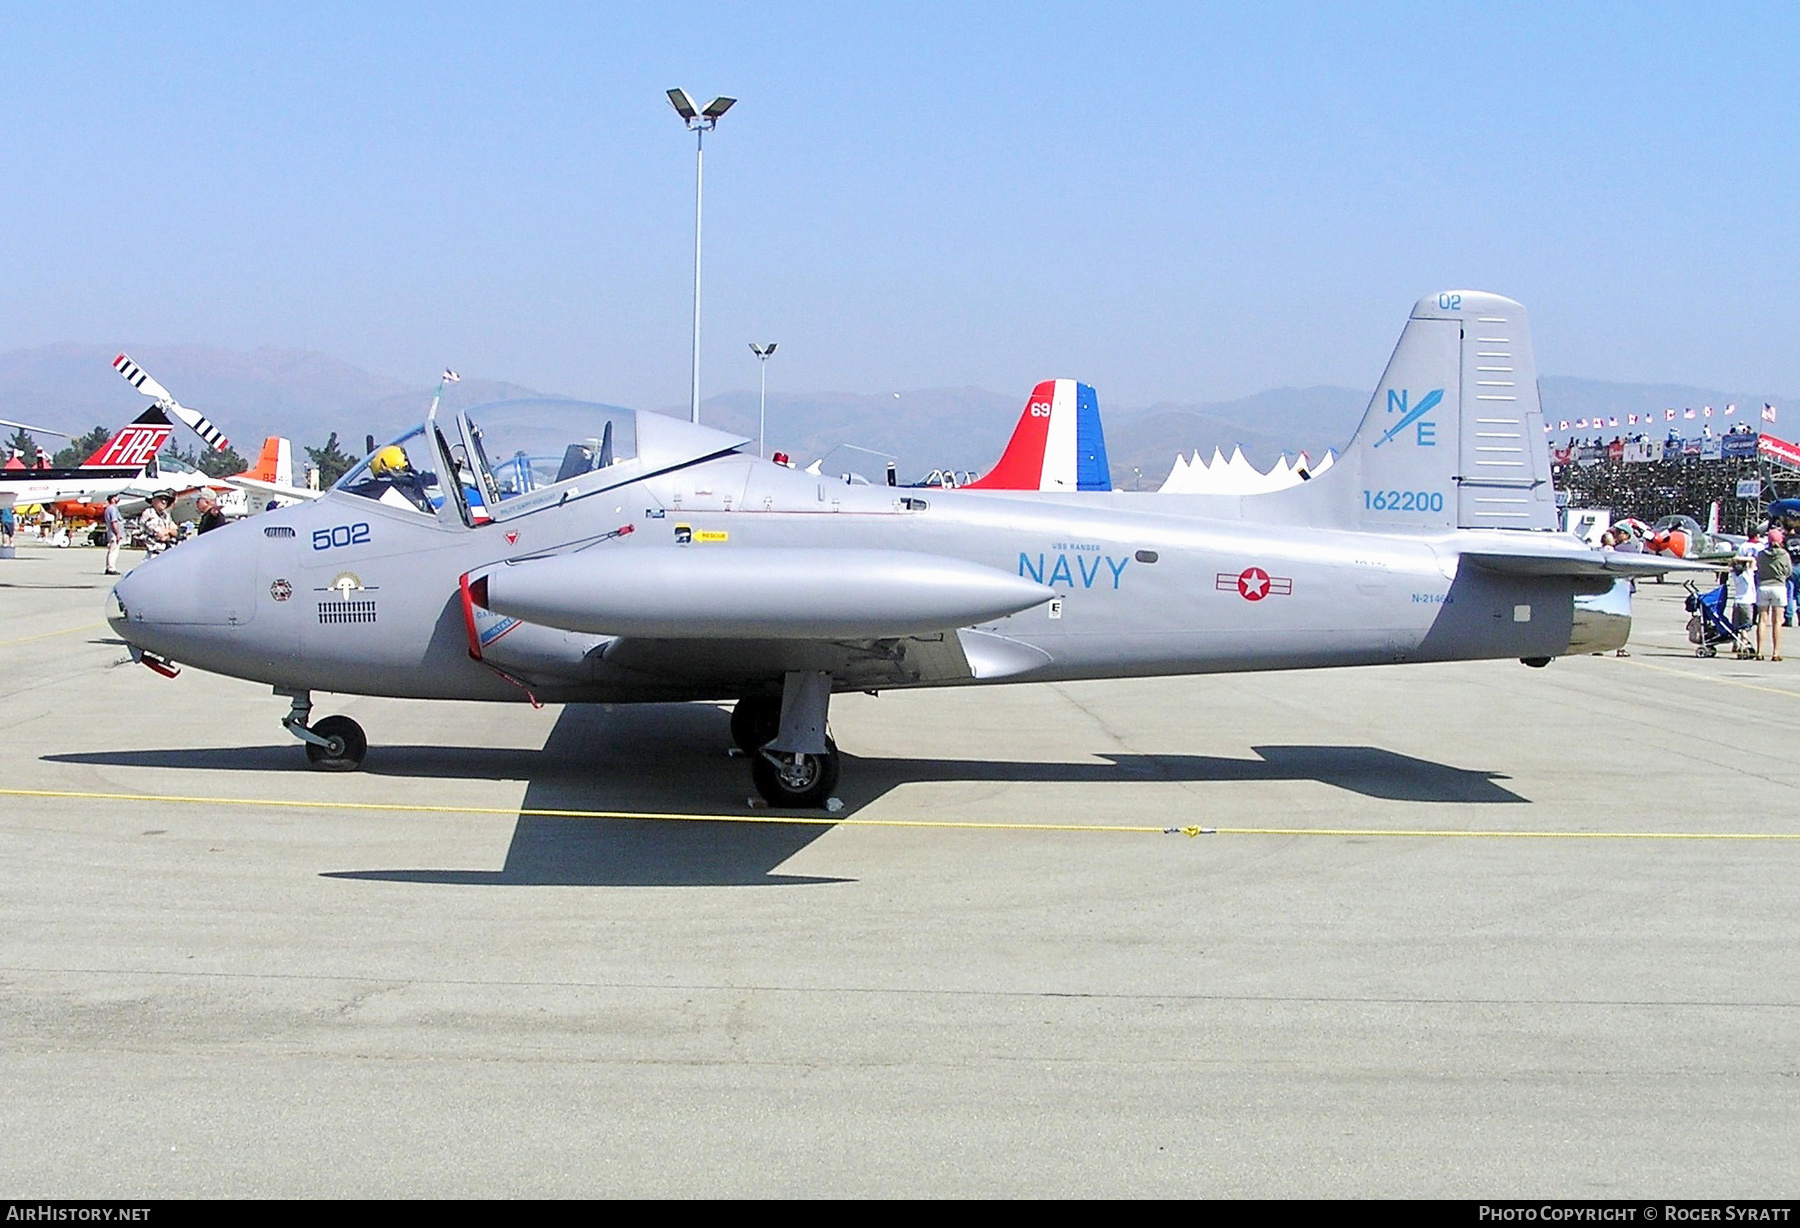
(207, 581)
(116, 614)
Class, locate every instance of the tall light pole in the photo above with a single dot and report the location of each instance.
(699, 122)
(762, 353)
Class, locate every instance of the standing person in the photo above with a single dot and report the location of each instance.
(1773, 567)
(1790, 525)
(158, 526)
(210, 516)
(9, 524)
(115, 533)
(1740, 590)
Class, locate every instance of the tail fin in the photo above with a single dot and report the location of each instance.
(1454, 435)
(1057, 445)
(135, 444)
(274, 464)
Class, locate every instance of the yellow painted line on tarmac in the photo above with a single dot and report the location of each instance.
(823, 820)
(51, 634)
(1450, 833)
(1683, 673)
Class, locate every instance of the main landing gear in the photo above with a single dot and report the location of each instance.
(755, 722)
(335, 744)
(793, 761)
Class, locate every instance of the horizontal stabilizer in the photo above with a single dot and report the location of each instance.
(1616, 564)
(726, 592)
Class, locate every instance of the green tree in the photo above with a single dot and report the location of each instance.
(220, 462)
(81, 447)
(213, 462)
(21, 445)
(172, 453)
(331, 461)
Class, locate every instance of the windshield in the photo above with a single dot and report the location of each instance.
(519, 446)
(401, 473)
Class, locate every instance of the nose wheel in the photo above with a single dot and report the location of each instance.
(335, 744)
(341, 745)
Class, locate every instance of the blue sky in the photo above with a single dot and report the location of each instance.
(1171, 202)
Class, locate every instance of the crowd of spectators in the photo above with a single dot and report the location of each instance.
(1681, 481)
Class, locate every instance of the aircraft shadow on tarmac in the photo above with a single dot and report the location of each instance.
(668, 759)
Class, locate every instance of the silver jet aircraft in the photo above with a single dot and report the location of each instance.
(566, 553)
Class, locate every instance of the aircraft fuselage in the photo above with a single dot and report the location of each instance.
(347, 594)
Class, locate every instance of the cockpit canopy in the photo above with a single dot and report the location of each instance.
(507, 450)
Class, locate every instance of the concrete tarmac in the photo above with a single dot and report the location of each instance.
(211, 998)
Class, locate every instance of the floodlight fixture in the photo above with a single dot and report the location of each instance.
(684, 106)
(717, 107)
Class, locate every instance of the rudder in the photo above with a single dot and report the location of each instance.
(1454, 435)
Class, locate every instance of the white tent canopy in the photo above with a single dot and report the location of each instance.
(1237, 476)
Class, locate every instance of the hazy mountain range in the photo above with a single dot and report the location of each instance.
(306, 396)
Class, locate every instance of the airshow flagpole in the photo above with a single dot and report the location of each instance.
(699, 122)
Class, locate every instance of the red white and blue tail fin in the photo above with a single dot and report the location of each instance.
(1058, 444)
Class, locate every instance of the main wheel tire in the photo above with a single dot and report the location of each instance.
(795, 782)
(348, 745)
(755, 722)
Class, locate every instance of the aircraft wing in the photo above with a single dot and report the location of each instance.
(710, 668)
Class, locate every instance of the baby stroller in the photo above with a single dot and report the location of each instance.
(1711, 626)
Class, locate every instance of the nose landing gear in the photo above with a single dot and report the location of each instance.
(335, 744)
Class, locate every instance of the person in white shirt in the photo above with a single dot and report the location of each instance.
(115, 534)
(1740, 591)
